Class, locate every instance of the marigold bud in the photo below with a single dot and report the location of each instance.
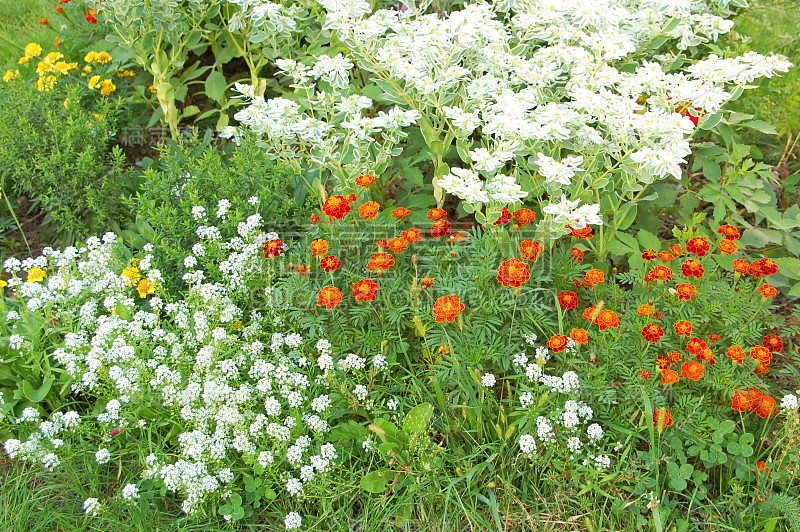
(614, 270)
(291, 265)
(414, 259)
(379, 273)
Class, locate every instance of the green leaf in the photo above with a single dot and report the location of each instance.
(375, 482)
(215, 86)
(648, 240)
(35, 395)
(417, 420)
(763, 127)
(626, 215)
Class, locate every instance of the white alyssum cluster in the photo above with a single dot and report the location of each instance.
(789, 402)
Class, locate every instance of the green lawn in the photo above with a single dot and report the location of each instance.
(20, 23)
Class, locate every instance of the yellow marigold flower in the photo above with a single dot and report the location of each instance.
(91, 56)
(66, 103)
(43, 67)
(8, 76)
(132, 273)
(46, 83)
(87, 69)
(33, 50)
(152, 88)
(23, 60)
(3, 284)
(93, 81)
(145, 287)
(107, 87)
(103, 57)
(54, 56)
(63, 68)
(36, 275)
(125, 74)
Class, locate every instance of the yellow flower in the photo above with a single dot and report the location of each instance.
(66, 103)
(93, 81)
(3, 284)
(63, 68)
(152, 88)
(36, 275)
(23, 60)
(46, 83)
(54, 56)
(125, 74)
(87, 69)
(145, 287)
(91, 56)
(33, 50)
(9, 76)
(44, 67)
(132, 273)
(103, 57)
(107, 87)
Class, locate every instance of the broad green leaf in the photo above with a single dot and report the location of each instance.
(215, 86)
(418, 418)
(375, 482)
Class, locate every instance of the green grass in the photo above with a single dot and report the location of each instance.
(20, 24)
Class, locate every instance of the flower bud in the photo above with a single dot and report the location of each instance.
(453, 254)
(414, 259)
(291, 265)
(614, 270)
(379, 273)
(623, 311)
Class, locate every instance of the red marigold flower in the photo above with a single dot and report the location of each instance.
(773, 342)
(382, 243)
(513, 272)
(728, 247)
(577, 283)
(576, 254)
(523, 217)
(365, 290)
(401, 212)
(686, 291)
(666, 256)
(590, 313)
(369, 210)
(330, 263)
(669, 376)
(302, 269)
(365, 180)
(336, 207)
(329, 297)
(698, 245)
(447, 308)
(645, 310)
(568, 300)
(397, 244)
(692, 268)
(767, 291)
(762, 354)
(661, 419)
(729, 232)
(380, 261)
(736, 353)
(761, 466)
(652, 333)
(663, 362)
(273, 248)
(649, 254)
(739, 401)
(427, 282)
(766, 267)
(692, 370)
(714, 338)
(315, 219)
(674, 357)
(659, 315)
(676, 250)
(413, 235)
(754, 398)
(43, 22)
(505, 217)
(683, 328)
(606, 319)
(440, 228)
(661, 273)
(766, 407)
(60, 10)
(437, 214)
(90, 16)
(707, 355)
(593, 277)
(557, 343)
(761, 369)
(696, 346)
(740, 266)
(645, 374)
(457, 237)
(579, 336)
(584, 233)
(319, 247)
(530, 249)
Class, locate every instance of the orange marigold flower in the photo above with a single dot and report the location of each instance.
(302, 269)
(513, 272)
(707, 355)
(593, 277)
(649, 254)
(652, 333)
(273, 248)
(736, 353)
(505, 217)
(401, 212)
(683, 328)
(645, 310)
(43, 22)
(773, 342)
(577, 283)
(766, 407)
(729, 232)
(714, 337)
(579, 336)
(576, 254)
(413, 235)
(663, 362)
(365, 290)
(676, 250)
(365, 180)
(90, 16)
(380, 261)
(382, 243)
(568, 300)
(661, 419)
(698, 245)
(319, 247)
(761, 466)
(696, 346)
(369, 210)
(336, 207)
(686, 291)
(767, 291)
(669, 376)
(457, 237)
(674, 357)
(666, 256)
(447, 308)
(440, 228)
(315, 219)
(557, 342)
(739, 401)
(523, 217)
(692, 370)
(351, 197)
(445, 349)
(645, 374)
(329, 297)
(427, 282)
(692, 268)
(762, 354)
(589, 313)
(764, 267)
(728, 247)
(754, 398)
(583, 234)
(530, 249)
(330, 263)
(606, 319)
(661, 273)
(437, 214)
(741, 266)
(397, 244)
(761, 369)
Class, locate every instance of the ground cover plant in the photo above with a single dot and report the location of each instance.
(451, 266)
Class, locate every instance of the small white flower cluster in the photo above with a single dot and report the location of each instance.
(789, 402)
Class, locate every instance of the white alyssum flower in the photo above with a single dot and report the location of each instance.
(293, 521)
(488, 380)
(789, 402)
(91, 506)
